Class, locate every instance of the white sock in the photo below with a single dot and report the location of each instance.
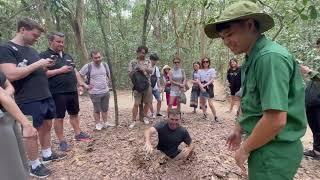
(35, 163)
(46, 153)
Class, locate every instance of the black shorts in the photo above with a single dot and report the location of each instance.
(39, 110)
(66, 102)
(233, 90)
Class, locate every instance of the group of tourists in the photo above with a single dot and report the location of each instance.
(274, 108)
(44, 87)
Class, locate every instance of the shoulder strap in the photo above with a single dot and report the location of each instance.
(154, 71)
(89, 72)
(106, 67)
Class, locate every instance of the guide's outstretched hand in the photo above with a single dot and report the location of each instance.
(234, 140)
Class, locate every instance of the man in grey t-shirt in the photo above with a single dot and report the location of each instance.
(98, 76)
(170, 135)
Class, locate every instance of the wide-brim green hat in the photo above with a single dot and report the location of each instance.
(237, 11)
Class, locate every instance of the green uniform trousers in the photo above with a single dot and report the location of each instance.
(275, 161)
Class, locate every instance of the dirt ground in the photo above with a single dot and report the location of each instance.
(117, 153)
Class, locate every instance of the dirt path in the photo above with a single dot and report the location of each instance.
(117, 153)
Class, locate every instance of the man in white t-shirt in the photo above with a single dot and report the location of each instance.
(155, 85)
(98, 76)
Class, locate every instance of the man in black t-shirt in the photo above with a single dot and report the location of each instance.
(25, 69)
(63, 79)
(170, 135)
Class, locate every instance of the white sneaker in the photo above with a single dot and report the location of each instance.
(107, 124)
(153, 116)
(132, 125)
(145, 120)
(99, 126)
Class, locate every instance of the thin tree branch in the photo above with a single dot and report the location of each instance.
(279, 17)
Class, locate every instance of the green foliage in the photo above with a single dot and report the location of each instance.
(123, 20)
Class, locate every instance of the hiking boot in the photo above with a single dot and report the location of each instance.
(146, 121)
(54, 157)
(63, 146)
(132, 125)
(159, 115)
(107, 124)
(82, 137)
(312, 153)
(40, 171)
(99, 126)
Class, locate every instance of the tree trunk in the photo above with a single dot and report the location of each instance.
(44, 13)
(175, 26)
(145, 22)
(77, 26)
(107, 54)
(202, 34)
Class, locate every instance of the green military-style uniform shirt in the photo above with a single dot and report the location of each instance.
(271, 80)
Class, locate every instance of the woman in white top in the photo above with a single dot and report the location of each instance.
(177, 78)
(207, 76)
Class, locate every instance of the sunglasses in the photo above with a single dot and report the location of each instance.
(177, 62)
(205, 61)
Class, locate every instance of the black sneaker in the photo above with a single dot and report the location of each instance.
(40, 171)
(54, 157)
(159, 115)
(312, 153)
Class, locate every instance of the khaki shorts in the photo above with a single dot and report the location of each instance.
(145, 95)
(100, 102)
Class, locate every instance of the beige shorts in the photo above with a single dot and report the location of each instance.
(146, 96)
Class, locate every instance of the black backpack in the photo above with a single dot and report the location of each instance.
(154, 78)
(140, 81)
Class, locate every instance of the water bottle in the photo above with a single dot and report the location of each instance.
(24, 63)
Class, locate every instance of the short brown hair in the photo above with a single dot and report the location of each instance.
(176, 58)
(174, 112)
(94, 52)
(29, 24)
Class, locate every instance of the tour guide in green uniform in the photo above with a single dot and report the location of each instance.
(273, 95)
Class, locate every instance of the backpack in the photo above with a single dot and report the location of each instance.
(312, 94)
(154, 78)
(106, 67)
(140, 81)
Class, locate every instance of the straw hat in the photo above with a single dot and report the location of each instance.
(165, 67)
